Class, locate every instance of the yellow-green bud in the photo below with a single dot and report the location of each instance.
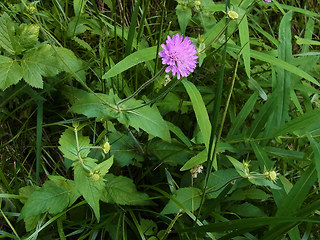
(273, 175)
(106, 147)
(233, 15)
(95, 177)
(197, 3)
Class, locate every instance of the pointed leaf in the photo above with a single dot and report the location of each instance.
(10, 72)
(121, 190)
(189, 197)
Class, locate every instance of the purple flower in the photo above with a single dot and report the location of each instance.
(268, 1)
(179, 55)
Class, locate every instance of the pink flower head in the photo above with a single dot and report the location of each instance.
(179, 55)
(268, 1)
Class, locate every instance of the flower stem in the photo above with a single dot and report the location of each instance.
(142, 87)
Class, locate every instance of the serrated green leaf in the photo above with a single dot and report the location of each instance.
(103, 168)
(189, 197)
(10, 72)
(53, 198)
(37, 63)
(68, 145)
(7, 30)
(89, 185)
(31, 222)
(26, 37)
(121, 190)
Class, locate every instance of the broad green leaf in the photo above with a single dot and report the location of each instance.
(121, 190)
(123, 149)
(247, 210)
(37, 63)
(10, 72)
(103, 107)
(251, 193)
(244, 40)
(100, 106)
(69, 63)
(259, 181)
(184, 15)
(26, 37)
(68, 145)
(200, 111)
(133, 59)
(53, 197)
(7, 32)
(201, 157)
(147, 118)
(189, 197)
(31, 222)
(173, 154)
(89, 185)
(178, 132)
(148, 227)
(103, 167)
(238, 166)
(218, 180)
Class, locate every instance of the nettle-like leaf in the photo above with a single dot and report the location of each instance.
(7, 32)
(68, 145)
(88, 178)
(103, 107)
(89, 184)
(122, 190)
(15, 40)
(10, 72)
(37, 63)
(55, 195)
(188, 198)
